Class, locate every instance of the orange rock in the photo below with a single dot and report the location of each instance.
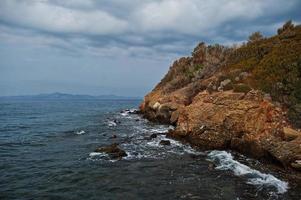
(290, 134)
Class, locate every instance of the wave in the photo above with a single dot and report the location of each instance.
(129, 111)
(100, 156)
(111, 123)
(81, 132)
(225, 161)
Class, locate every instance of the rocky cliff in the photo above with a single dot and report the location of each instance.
(245, 98)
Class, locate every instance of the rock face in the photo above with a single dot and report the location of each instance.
(113, 151)
(214, 101)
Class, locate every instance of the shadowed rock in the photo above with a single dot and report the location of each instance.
(113, 151)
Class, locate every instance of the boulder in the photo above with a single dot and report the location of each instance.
(152, 136)
(156, 106)
(290, 134)
(224, 84)
(113, 151)
(164, 142)
(174, 117)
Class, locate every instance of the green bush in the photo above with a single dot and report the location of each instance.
(294, 115)
(243, 88)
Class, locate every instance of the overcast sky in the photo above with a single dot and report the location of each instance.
(121, 47)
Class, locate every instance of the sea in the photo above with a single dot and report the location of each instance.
(47, 151)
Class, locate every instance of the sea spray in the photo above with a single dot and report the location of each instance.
(225, 161)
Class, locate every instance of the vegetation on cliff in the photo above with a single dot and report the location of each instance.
(272, 65)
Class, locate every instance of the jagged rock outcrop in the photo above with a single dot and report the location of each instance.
(233, 98)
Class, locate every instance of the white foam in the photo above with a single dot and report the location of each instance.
(129, 111)
(125, 113)
(80, 132)
(111, 123)
(100, 156)
(132, 156)
(93, 154)
(225, 161)
(154, 129)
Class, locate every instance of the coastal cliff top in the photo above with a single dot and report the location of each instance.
(269, 64)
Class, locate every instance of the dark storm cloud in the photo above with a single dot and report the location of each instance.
(163, 26)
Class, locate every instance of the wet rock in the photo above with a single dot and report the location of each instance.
(116, 121)
(164, 142)
(113, 151)
(211, 166)
(152, 136)
(134, 111)
(131, 111)
(285, 152)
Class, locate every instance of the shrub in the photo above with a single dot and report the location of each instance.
(287, 26)
(294, 115)
(241, 87)
(256, 36)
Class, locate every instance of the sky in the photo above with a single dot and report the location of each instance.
(121, 47)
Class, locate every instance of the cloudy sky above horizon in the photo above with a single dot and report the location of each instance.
(121, 47)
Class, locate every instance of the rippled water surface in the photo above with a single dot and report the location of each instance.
(47, 152)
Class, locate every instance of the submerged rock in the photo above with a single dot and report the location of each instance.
(113, 151)
(164, 142)
(113, 136)
(152, 136)
(116, 121)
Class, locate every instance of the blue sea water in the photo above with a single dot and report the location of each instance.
(47, 152)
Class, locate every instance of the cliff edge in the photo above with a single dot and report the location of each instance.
(245, 98)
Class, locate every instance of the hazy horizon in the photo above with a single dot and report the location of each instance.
(118, 48)
(80, 94)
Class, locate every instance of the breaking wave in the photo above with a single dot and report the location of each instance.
(225, 161)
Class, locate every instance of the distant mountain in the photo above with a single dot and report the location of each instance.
(59, 96)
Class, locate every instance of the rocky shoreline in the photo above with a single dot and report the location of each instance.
(216, 106)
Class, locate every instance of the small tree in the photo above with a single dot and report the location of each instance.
(287, 26)
(255, 37)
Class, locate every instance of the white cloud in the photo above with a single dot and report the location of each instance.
(194, 16)
(48, 17)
